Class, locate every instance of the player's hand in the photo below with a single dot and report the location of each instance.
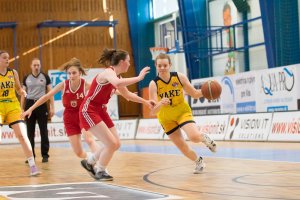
(22, 92)
(27, 114)
(143, 73)
(51, 112)
(165, 101)
(151, 104)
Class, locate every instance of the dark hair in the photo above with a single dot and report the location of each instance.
(112, 56)
(163, 56)
(3, 51)
(73, 62)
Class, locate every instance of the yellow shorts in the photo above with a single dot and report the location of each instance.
(10, 112)
(173, 117)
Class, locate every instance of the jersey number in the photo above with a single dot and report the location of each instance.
(5, 93)
(80, 96)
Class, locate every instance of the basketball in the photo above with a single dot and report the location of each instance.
(211, 90)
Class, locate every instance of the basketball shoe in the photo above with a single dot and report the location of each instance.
(199, 166)
(88, 167)
(34, 171)
(103, 176)
(210, 143)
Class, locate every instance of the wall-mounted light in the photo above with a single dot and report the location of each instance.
(111, 29)
(105, 9)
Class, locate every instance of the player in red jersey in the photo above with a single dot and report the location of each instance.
(74, 90)
(93, 112)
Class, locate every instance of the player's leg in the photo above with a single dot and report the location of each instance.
(75, 141)
(30, 122)
(30, 125)
(90, 140)
(177, 138)
(187, 123)
(42, 119)
(110, 145)
(20, 132)
(196, 136)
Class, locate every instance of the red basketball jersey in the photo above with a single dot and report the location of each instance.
(73, 99)
(99, 93)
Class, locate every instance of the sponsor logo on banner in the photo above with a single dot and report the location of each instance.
(249, 127)
(228, 96)
(277, 89)
(149, 129)
(126, 128)
(57, 77)
(245, 92)
(204, 106)
(56, 132)
(214, 125)
(285, 127)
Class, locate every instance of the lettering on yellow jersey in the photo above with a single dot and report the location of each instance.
(170, 94)
(7, 84)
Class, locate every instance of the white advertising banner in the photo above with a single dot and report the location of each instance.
(277, 89)
(126, 128)
(244, 88)
(57, 76)
(149, 129)
(56, 132)
(249, 127)
(285, 127)
(213, 125)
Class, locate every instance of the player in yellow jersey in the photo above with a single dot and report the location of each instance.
(173, 112)
(10, 109)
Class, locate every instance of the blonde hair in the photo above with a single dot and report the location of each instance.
(163, 56)
(73, 62)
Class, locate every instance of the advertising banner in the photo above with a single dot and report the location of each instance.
(126, 128)
(56, 132)
(245, 92)
(285, 127)
(149, 129)
(249, 127)
(277, 89)
(213, 125)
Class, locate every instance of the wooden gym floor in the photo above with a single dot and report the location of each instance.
(156, 170)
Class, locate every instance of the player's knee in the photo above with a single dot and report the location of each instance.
(195, 138)
(115, 145)
(78, 153)
(89, 140)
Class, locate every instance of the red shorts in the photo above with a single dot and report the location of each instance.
(71, 122)
(94, 115)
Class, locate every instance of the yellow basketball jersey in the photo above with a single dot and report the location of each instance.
(172, 89)
(7, 87)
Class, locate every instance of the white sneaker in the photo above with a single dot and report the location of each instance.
(210, 143)
(199, 166)
(34, 171)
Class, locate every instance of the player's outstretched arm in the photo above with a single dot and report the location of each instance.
(130, 96)
(188, 88)
(153, 97)
(43, 99)
(111, 76)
